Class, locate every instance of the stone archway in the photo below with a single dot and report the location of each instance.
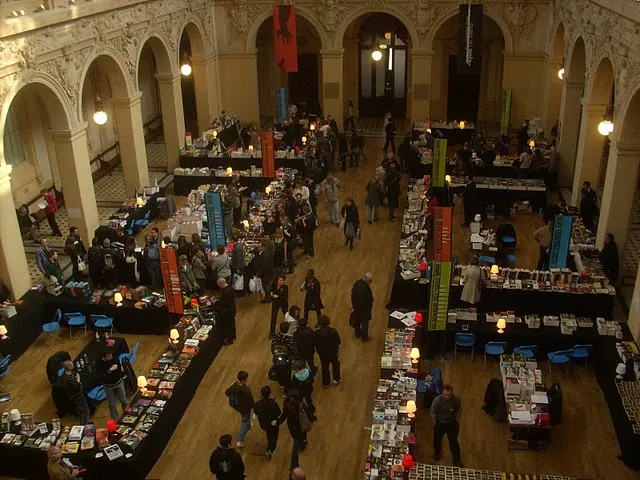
(554, 82)
(195, 95)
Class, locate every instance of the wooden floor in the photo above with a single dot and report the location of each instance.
(584, 445)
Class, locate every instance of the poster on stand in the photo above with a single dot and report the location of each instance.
(215, 220)
(439, 296)
(171, 279)
(285, 35)
(439, 162)
(268, 160)
(281, 104)
(560, 241)
(443, 218)
(469, 33)
(505, 111)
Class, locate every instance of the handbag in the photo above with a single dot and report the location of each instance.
(273, 373)
(352, 320)
(82, 266)
(237, 282)
(305, 421)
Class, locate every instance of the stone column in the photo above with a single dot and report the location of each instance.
(13, 261)
(77, 184)
(619, 190)
(203, 69)
(170, 88)
(634, 310)
(553, 94)
(569, 128)
(128, 117)
(238, 72)
(589, 151)
(524, 73)
(420, 85)
(332, 94)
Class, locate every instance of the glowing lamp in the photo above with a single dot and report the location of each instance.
(502, 324)
(532, 143)
(407, 461)
(163, 245)
(418, 318)
(462, 125)
(387, 35)
(174, 335)
(117, 297)
(112, 425)
(251, 148)
(229, 171)
(621, 370)
(605, 127)
(3, 332)
(245, 223)
(447, 178)
(100, 117)
(415, 355)
(561, 73)
(495, 269)
(382, 46)
(185, 69)
(376, 55)
(215, 134)
(428, 130)
(411, 408)
(142, 383)
(267, 190)
(304, 140)
(312, 127)
(140, 202)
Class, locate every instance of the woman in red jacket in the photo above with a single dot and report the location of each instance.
(52, 206)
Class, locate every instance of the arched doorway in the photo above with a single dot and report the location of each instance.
(555, 74)
(300, 86)
(188, 85)
(571, 113)
(195, 99)
(472, 97)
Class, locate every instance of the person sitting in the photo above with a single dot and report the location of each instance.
(28, 227)
(57, 469)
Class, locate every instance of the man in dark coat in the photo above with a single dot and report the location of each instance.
(225, 463)
(327, 342)
(609, 258)
(469, 200)
(392, 183)
(361, 305)
(226, 308)
(313, 294)
(268, 411)
(303, 338)
(588, 206)
(390, 135)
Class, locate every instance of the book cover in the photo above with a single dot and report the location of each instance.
(76, 433)
(70, 447)
(171, 377)
(102, 438)
(167, 385)
(164, 394)
(123, 429)
(129, 419)
(113, 451)
(87, 443)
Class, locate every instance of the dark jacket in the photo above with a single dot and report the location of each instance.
(227, 301)
(52, 268)
(303, 338)
(72, 388)
(291, 413)
(267, 410)
(109, 378)
(244, 396)
(304, 386)
(610, 261)
(392, 182)
(327, 341)
(362, 300)
(488, 157)
(374, 194)
(313, 295)
(390, 130)
(350, 214)
(283, 295)
(226, 464)
(286, 340)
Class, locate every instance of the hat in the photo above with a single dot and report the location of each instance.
(225, 440)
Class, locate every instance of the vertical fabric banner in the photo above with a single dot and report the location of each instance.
(281, 104)
(439, 162)
(560, 240)
(443, 219)
(213, 204)
(284, 32)
(505, 111)
(171, 280)
(268, 159)
(469, 33)
(439, 296)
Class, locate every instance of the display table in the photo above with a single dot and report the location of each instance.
(503, 198)
(183, 184)
(152, 208)
(239, 163)
(412, 294)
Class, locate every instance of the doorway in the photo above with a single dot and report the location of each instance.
(464, 93)
(303, 84)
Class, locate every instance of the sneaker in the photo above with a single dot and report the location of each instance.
(269, 454)
(240, 444)
(336, 382)
(458, 464)
(437, 457)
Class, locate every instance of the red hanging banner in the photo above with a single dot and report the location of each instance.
(171, 278)
(268, 159)
(284, 29)
(442, 235)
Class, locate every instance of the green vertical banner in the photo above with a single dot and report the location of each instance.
(439, 296)
(505, 113)
(439, 162)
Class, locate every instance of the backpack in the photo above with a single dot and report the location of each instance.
(152, 253)
(281, 355)
(305, 422)
(108, 262)
(234, 397)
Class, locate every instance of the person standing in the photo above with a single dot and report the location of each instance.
(292, 317)
(241, 400)
(279, 302)
(76, 250)
(470, 202)
(221, 265)
(151, 253)
(361, 305)
(446, 411)
(327, 343)
(235, 191)
(523, 137)
(351, 222)
(355, 149)
(609, 258)
(75, 393)
(306, 225)
(374, 199)
(330, 186)
(187, 280)
(27, 226)
(52, 208)
(313, 294)
(303, 381)
(42, 256)
(471, 291)
(588, 206)
(227, 212)
(543, 236)
(303, 338)
(200, 270)
(225, 463)
(390, 135)
(95, 258)
(292, 410)
(266, 268)
(112, 379)
(392, 182)
(404, 151)
(52, 267)
(343, 150)
(109, 261)
(350, 116)
(268, 411)
(284, 353)
(226, 308)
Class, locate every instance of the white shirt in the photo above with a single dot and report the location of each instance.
(293, 324)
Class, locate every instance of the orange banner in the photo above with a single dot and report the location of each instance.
(171, 278)
(284, 29)
(443, 217)
(268, 160)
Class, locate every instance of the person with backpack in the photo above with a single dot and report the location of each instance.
(303, 338)
(268, 411)
(225, 463)
(284, 353)
(111, 256)
(152, 254)
(303, 382)
(298, 418)
(241, 400)
(327, 342)
(95, 257)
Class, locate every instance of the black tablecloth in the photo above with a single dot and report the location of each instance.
(183, 184)
(454, 136)
(88, 375)
(126, 319)
(408, 293)
(25, 327)
(502, 199)
(152, 206)
(239, 163)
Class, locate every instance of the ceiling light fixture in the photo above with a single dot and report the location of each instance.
(376, 55)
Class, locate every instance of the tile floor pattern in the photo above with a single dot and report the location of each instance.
(156, 154)
(423, 471)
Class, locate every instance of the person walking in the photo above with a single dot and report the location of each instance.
(74, 390)
(279, 302)
(351, 222)
(241, 400)
(327, 343)
(330, 186)
(343, 150)
(268, 411)
(284, 352)
(51, 209)
(446, 410)
(292, 317)
(306, 225)
(225, 306)
(303, 381)
(374, 199)
(350, 122)
(113, 381)
(355, 149)
(361, 305)
(543, 236)
(266, 268)
(293, 411)
(303, 338)
(390, 135)
(42, 255)
(392, 182)
(151, 253)
(313, 294)
(225, 463)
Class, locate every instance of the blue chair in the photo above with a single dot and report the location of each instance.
(53, 327)
(102, 321)
(75, 320)
(60, 372)
(96, 396)
(508, 240)
(494, 349)
(511, 259)
(528, 351)
(582, 352)
(4, 368)
(561, 357)
(464, 340)
(486, 260)
(132, 355)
